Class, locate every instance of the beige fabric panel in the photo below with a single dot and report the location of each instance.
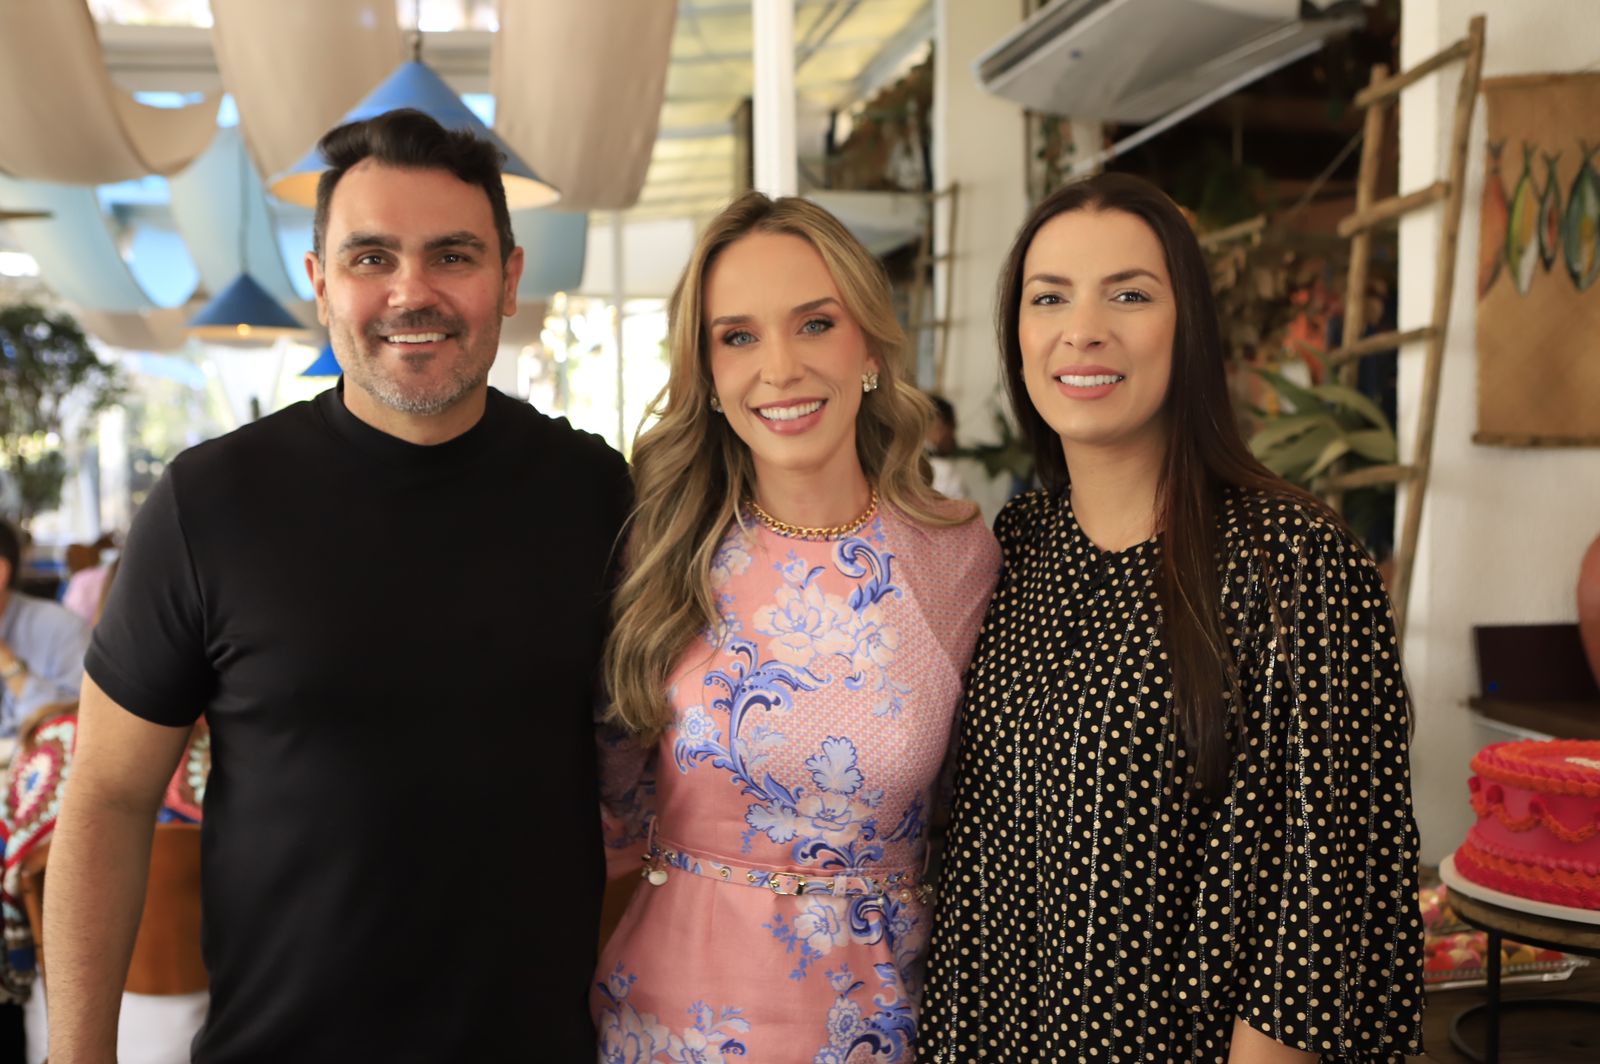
(578, 90)
(295, 67)
(1538, 277)
(64, 119)
(154, 330)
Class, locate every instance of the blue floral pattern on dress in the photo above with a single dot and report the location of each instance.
(628, 1036)
(829, 822)
(887, 1033)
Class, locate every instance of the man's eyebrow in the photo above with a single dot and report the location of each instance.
(462, 238)
(368, 240)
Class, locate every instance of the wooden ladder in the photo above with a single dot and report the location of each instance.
(927, 263)
(1381, 94)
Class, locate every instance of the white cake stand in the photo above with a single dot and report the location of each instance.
(1533, 907)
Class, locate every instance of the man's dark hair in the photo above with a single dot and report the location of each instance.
(410, 140)
(944, 409)
(11, 550)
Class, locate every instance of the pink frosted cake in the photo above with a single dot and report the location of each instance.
(1538, 829)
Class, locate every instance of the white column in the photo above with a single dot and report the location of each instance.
(978, 144)
(773, 107)
(619, 300)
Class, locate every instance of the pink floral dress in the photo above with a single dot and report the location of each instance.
(783, 816)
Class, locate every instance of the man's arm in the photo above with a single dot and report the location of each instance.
(99, 861)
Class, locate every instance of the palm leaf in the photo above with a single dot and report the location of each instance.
(1303, 399)
(1350, 399)
(1335, 450)
(1281, 429)
(1288, 460)
(1377, 445)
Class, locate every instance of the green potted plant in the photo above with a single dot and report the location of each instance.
(1319, 426)
(46, 363)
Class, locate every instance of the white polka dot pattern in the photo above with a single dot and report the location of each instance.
(1090, 909)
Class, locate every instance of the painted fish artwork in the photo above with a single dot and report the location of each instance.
(1580, 228)
(1496, 214)
(1522, 231)
(1538, 312)
(1550, 213)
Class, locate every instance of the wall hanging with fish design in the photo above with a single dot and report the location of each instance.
(1538, 328)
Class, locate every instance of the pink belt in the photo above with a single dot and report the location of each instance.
(661, 859)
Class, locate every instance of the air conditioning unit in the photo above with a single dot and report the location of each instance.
(1135, 61)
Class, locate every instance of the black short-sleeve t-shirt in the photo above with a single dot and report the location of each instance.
(397, 651)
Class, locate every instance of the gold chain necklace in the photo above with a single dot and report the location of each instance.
(783, 528)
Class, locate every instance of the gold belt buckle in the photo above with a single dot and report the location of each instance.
(775, 881)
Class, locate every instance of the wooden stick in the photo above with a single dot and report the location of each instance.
(1355, 296)
(1376, 343)
(1238, 231)
(1382, 91)
(1392, 208)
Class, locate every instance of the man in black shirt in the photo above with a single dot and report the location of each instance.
(390, 604)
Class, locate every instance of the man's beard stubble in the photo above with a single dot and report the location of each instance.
(469, 371)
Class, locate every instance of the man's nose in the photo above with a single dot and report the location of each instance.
(410, 287)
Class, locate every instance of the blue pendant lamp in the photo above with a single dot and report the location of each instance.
(326, 364)
(416, 86)
(244, 312)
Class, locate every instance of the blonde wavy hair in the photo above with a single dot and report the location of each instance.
(691, 471)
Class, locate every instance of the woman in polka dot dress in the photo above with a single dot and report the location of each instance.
(790, 642)
(1182, 824)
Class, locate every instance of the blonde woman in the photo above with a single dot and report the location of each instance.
(787, 657)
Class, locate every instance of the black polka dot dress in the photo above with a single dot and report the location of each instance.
(1090, 907)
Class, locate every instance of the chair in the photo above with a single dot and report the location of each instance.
(166, 954)
(164, 999)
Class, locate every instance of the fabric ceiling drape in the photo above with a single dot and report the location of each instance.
(206, 206)
(294, 69)
(64, 119)
(76, 246)
(578, 90)
(154, 330)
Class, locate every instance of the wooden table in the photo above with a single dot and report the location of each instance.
(1499, 922)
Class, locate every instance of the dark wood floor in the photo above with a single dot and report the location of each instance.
(1541, 1037)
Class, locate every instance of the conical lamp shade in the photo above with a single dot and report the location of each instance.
(325, 365)
(244, 311)
(414, 85)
